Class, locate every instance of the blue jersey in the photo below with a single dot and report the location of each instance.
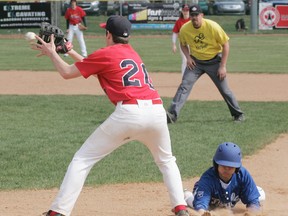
(210, 193)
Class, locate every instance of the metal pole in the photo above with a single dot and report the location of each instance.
(55, 12)
(254, 16)
(120, 5)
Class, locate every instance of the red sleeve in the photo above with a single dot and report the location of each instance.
(176, 27)
(94, 64)
(179, 23)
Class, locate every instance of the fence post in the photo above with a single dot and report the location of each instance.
(55, 12)
(254, 16)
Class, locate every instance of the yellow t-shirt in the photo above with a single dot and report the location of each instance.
(204, 43)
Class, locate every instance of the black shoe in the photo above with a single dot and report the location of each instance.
(171, 118)
(239, 118)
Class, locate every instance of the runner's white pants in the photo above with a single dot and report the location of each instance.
(73, 29)
(184, 60)
(144, 122)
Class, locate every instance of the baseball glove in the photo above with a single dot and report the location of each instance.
(82, 27)
(61, 43)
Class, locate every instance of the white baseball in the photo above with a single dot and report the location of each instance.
(30, 36)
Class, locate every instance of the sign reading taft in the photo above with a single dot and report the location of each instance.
(24, 15)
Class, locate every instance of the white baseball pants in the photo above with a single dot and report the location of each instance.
(184, 61)
(145, 122)
(73, 29)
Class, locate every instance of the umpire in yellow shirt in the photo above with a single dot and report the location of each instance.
(206, 47)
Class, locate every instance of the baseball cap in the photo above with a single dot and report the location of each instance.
(117, 25)
(195, 9)
(185, 7)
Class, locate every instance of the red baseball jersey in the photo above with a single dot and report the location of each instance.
(121, 73)
(75, 15)
(179, 23)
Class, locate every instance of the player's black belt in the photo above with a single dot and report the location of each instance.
(134, 101)
(214, 60)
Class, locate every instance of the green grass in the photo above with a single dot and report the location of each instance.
(248, 53)
(258, 53)
(40, 134)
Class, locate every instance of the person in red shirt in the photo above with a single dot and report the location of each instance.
(74, 16)
(183, 18)
(139, 114)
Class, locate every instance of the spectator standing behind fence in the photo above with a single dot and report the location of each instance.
(183, 18)
(206, 47)
(74, 16)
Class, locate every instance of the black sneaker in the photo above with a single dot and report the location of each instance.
(239, 118)
(183, 213)
(171, 118)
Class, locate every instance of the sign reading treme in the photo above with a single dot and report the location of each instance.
(24, 15)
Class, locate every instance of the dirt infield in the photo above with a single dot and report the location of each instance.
(268, 167)
(247, 87)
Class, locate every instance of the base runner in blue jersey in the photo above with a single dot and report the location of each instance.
(225, 183)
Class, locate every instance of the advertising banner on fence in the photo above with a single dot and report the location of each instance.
(24, 15)
(273, 16)
(137, 12)
(145, 12)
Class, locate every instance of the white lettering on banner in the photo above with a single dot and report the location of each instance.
(16, 7)
(135, 5)
(20, 25)
(24, 19)
(284, 17)
(170, 13)
(171, 6)
(154, 12)
(26, 14)
(170, 18)
(30, 14)
(10, 19)
(153, 18)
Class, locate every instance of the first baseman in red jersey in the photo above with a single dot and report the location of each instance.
(74, 16)
(139, 114)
